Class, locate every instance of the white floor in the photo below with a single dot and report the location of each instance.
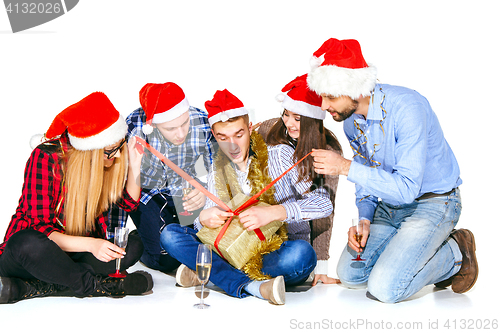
(324, 307)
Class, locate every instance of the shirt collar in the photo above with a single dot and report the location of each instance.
(64, 141)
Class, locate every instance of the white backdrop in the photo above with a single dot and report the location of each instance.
(446, 50)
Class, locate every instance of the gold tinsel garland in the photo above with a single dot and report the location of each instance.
(227, 186)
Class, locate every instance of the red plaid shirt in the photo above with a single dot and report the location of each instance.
(42, 194)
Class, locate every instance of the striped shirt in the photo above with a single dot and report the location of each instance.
(300, 204)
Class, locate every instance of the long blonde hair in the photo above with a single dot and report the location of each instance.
(91, 189)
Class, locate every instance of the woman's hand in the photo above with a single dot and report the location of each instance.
(134, 169)
(104, 250)
(134, 156)
(325, 279)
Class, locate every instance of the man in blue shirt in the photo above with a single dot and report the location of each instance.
(406, 178)
(182, 134)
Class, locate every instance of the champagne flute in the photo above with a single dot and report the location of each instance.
(121, 239)
(358, 236)
(186, 189)
(203, 267)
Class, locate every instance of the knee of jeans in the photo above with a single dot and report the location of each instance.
(302, 252)
(168, 237)
(385, 289)
(349, 280)
(353, 275)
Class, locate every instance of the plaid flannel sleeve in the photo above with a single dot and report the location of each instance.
(38, 200)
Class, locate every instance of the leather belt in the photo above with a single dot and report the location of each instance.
(430, 195)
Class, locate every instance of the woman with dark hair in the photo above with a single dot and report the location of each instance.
(56, 241)
(301, 128)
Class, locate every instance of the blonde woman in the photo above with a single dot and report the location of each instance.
(56, 241)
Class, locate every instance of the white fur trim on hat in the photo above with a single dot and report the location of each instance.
(109, 136)
(339, 81)
(36, 140)
(225, 115)
(303, 108)
(171, 114)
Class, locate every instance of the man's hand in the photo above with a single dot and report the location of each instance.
(193, 200)
(353, 244)
(214, 217)
(258, 216)
(325, 279)
(328, 162)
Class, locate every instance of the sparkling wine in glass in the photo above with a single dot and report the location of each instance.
(186, 189)
(358, 236)
(121, 239)
(203, 267)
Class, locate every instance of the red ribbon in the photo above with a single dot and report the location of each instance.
(180, 172)
(253, 200)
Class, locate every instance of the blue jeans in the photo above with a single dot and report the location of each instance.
(149, 220)
(408, 248)
(295, 260)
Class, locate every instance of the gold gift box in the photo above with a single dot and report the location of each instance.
(238, 245)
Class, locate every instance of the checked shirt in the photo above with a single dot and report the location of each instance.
(42, 194)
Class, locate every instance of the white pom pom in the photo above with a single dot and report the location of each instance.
(316, 62)
(280, 97)
(147, 129)
(36, 140)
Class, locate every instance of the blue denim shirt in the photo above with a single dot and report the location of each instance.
(399, 150)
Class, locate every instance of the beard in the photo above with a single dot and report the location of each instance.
(346, 112)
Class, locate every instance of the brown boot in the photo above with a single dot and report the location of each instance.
(466, 277)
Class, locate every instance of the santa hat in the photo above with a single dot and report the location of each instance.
(224, 106)
(92, 123)
(339, 69)
(296, 97)
(161, 103)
